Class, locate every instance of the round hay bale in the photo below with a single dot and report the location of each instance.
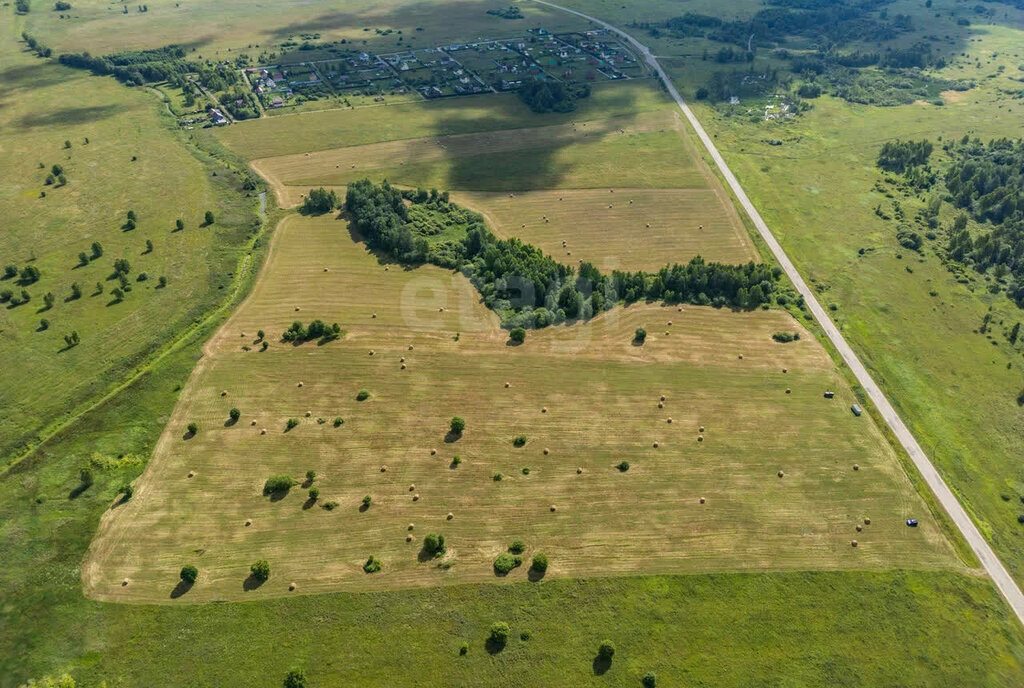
(441, 309)
(411, 526)
(248, 522)
(700, 429)
(859, 527)
(401, 359)
(655, 445)
(700, 438)
(781, 474)
(403, 366)
(416, 497)
(544, 409)
(546, 451)
(371, 352)
(702, 500)
(326, 270)
(867, 521)
(648, 225)
(669, 419)
(299, 385)
(579, 469)
(408, 538)
(412, 488)
(191, 474)
(670, 323)
(373, 315)
(563, 243)
(252, 422)
(223, 392)
(433, 452)
(856, 467)
(853, 543)
(263, 431)
(386, 268)
(297, 308)
(554, 508)
(568, 253)
(410, 347)
(450, 516)
(661, 404)
(507, 385)
(124, 582)
(785, 370)
(789, 391)
(308, 414)
(741, 357)
(383, 469)
(680, 309)
(291, 586)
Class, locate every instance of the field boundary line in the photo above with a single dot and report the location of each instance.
(1004, 582)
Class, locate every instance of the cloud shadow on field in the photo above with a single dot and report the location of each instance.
(68, 116)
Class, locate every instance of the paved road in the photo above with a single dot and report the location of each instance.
(1007, 586)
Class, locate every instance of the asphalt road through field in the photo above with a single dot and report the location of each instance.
(1007, 586)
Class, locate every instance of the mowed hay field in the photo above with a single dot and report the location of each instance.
(633, 229)
(601, 394)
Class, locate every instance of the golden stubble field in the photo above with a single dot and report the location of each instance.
(601, 396)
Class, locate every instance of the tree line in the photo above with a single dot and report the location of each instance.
(527, 287)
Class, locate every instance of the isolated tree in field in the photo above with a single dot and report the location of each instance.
(208, 217)
(162, 282)
(310, 476)
(367, 501)
(314, 493)
(640, 335)
(457, 425)
(29, 274)
(122, 266)
(372, 565)
(62, 180)
(606, 651)
(126, 492)
(192, 428)
(517, 335)
(118, 294)
(97, 250)
(131, 215)
(189, 573)
(149, 246)
(83, 259)
(295, 678)
(56, 169)
(48, 299)
(85, 476)
(44, 324)
(10, 271)
(179, 224)
(433, 544)
(499, 634)
(67, 143)
(99, 288)
(260, 570)
(25, 296)
(539, 563)
(650, 680)
(234, 414)
(50, 179)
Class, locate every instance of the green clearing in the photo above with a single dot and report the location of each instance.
(46, 105)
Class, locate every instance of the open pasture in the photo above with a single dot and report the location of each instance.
(328, 129)
(216, 29)
(624, 229)
(601, 396)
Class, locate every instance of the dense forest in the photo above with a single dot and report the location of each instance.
(986, 180)
(519, 281)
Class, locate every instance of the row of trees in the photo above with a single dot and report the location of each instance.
(544, 95)
(528, 287)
